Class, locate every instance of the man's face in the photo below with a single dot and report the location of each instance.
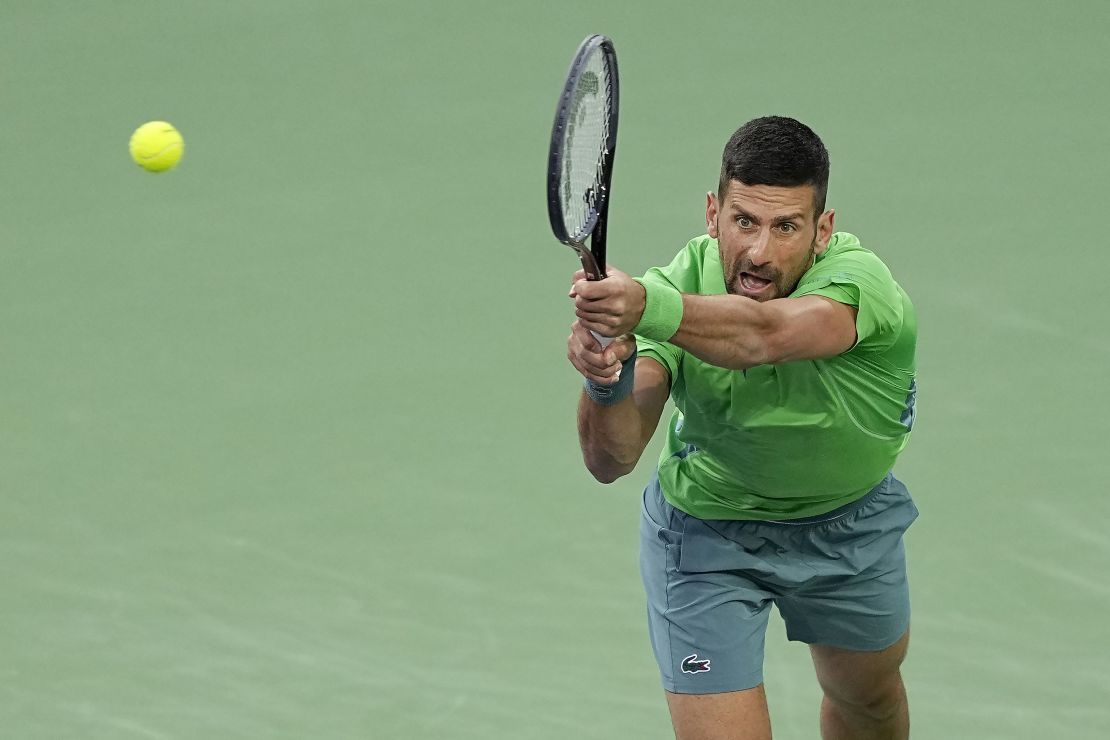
(768, 236)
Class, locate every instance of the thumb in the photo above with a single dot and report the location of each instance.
(621, 348)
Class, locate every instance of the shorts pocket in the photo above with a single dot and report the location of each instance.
(660, 521)
(751, 549)
(855, 543)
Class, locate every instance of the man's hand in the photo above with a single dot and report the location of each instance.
(602, 366)
(612, 306)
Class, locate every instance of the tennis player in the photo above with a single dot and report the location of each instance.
(788, 350)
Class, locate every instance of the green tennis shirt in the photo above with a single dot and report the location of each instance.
(795, 439)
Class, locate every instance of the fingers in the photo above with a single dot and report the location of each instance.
(590, 298)
(607, 307)
(622, 347)
(595, 290)
(580, 277)
(580, 274)
(604, 324)
(590, 359)
(601, 305)
(609, 316)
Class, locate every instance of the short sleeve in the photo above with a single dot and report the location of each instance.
(859, 279)
(667, 355)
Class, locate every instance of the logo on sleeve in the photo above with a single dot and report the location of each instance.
(691, 664)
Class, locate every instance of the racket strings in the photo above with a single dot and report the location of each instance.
(586, 135)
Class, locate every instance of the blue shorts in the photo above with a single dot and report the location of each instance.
(838, 579)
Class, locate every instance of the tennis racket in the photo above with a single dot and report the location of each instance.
(580, 163)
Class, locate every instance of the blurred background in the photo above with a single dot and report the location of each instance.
(287, 441)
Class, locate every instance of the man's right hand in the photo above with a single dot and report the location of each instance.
(601, 365)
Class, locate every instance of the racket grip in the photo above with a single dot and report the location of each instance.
(603, 341)
(593, 271)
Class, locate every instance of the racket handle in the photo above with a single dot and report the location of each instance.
(593, 271)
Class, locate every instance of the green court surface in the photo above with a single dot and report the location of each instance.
(287, 442)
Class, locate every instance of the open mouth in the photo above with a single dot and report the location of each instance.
(753, 283)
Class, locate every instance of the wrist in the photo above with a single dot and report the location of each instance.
(610, 395)
(662, 311)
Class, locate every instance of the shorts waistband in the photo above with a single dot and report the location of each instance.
(838, 512)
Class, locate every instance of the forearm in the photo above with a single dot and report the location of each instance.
(614, 435)
(737, 333)
(611, 437)
(621, 403)
(728, 331)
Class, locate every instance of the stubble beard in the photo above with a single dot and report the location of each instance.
(781, 289)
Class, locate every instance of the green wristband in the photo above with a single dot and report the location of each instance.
(662, 311)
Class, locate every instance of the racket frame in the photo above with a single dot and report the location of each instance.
(593, 258)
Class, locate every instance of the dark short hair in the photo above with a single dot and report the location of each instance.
(775, 150)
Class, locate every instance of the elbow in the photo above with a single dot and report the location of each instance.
(750, 353)
(767, 351)
(769, 346)
(776, 338)
(606, 477)
(758, 343)
(607, 470)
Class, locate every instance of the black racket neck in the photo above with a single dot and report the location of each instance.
(590, 265)
(596, 252)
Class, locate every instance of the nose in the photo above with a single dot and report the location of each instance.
(759, 251)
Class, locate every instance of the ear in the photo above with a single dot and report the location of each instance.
(711, 211)
(825, 229)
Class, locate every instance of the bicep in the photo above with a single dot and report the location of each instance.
(812, 327)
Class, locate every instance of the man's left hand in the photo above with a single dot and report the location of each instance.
(612, 306)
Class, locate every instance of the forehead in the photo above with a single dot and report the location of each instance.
(769, 200)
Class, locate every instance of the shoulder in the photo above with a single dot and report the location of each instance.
(847, 268)
(694, 269)
(850, 274)
(846, 260)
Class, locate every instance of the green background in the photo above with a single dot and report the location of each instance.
(287, 445)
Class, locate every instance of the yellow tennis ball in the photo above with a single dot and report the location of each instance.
(156, 146)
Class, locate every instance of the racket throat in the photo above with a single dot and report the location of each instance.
(593, 270)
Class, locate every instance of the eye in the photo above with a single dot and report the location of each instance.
(788, 228)
(744, 222)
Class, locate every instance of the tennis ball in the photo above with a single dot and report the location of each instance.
(156, 146)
